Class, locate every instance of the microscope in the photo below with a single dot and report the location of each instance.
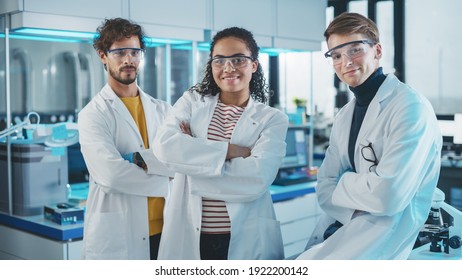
(445, 237)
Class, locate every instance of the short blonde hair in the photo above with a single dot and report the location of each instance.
(353, 23)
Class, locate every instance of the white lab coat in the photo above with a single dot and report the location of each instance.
(116, 219)
(242, 183)
(392, 201)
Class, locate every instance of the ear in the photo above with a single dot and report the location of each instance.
(102, 56)
(378, 51)
(254, 66)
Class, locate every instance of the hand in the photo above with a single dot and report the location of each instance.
(185, 128)
(138, 160)
(128, 157)
(235, 151)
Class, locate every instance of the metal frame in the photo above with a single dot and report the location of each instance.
(8, 113)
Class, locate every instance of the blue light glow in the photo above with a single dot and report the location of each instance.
(55, 33)
(275, 51)
(160, 41)
(41, 38)
(75, 36)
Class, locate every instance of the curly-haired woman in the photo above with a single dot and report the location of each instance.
(226, 146)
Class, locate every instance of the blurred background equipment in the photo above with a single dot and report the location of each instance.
(295, 165)
(39, 165)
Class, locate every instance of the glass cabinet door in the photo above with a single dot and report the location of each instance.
(53, 77)
(151, 77)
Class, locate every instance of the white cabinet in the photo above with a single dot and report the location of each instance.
(10, 6)
(288, 24)
(255, 15)
(99, 9)
(298, 218)
(173, 19)
(301, 19)
(190, 14)
(82, 15)
(17, 244)
(300, 24)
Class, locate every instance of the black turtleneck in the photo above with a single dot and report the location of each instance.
(364, 94)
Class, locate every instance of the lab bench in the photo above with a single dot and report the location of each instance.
(34, 237)
(423, 253)
(297, 210)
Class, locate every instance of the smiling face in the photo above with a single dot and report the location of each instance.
(355, 71)
(122, 70)
(231, 80)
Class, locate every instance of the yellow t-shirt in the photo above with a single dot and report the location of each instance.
(155, 204)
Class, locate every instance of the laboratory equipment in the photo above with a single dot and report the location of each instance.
(20, 125)
(294, 168)
(451, 127)
(444, 237)
(38, 178)
(39, 165)
(64, 213)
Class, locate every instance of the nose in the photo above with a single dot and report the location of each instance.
(128, 59)
(228, 66)
(346, 60)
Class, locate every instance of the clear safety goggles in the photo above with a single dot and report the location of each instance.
(351, 50)
(119, 54)
(237, 61)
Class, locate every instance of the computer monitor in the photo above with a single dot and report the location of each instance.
(294, 166)
(458, 129)
(447, 127)
(451, 130)
(296, 149)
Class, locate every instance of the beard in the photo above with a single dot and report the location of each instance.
(125, 81)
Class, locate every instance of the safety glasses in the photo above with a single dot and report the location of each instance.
(351, 50)
(237, 61)
(119, 54)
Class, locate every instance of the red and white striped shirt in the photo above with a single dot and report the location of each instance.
(215, 218)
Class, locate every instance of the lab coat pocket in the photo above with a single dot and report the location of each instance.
(106, 236)
(258, 239)
(370, 153)
(271, 239)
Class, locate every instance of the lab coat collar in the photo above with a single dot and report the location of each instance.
(210, 102)
(374, 109)
(119, 107)
(249, 111)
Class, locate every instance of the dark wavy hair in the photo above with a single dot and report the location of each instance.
(258, 87)
(112, 30)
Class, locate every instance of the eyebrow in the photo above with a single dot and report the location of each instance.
(236, 54)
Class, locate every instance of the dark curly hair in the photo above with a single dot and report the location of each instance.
(258, 87)
(112, 30)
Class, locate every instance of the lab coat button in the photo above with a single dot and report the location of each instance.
(141, 146)
(197, 229)
(144, 238)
